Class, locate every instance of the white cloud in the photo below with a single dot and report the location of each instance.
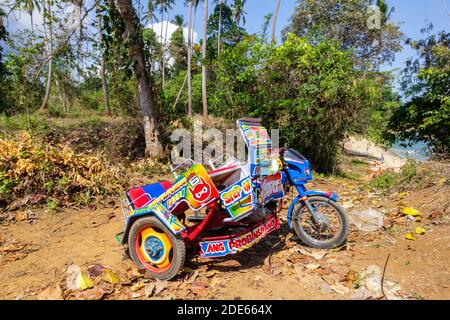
(170, 29)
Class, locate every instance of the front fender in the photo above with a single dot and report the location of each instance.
(309, 193)
(333, 196)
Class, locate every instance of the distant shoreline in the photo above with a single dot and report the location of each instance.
(380, 158)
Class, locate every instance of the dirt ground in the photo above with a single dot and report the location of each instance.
(35, 254)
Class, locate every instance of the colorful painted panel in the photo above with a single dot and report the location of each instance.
(259, 146)
(238, 198)
(220, 248)
(194, 187)
(272, 187)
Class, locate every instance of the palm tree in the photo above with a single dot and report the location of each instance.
(29, 6)
(165, 6)
(150, 13)
(191, 24)
(189, 60)
(178, 20)
(238, 11)
(205, 29)
(274, 20)
(219, 28)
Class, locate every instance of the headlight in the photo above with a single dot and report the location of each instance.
(275, 165)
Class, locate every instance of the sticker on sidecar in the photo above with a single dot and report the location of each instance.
(238, 198)
(220, 248)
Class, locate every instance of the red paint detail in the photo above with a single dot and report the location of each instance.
(221, 170)
(138, 197)
(201, 191)
(165, 184)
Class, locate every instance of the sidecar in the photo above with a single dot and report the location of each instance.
(217, 212)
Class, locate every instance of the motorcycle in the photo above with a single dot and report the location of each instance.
(240, 203)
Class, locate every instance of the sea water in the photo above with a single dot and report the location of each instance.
(417, 151)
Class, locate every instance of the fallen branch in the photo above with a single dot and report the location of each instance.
(382, 277)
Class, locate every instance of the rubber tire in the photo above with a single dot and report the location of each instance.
(317, 243)
(179, 248)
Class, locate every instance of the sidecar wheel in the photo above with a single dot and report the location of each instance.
(317, 236)
(153, 247)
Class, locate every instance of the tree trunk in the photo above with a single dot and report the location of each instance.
(274, 20)
(219, 31)
(102, 65)
(145, 82)
(32, 26)
(179, 92)
(105, 87)
(164, 50)
(50, 61)
(80, 22)
(205, 27)
(189, 62)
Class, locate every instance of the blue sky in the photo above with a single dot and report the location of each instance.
(411, 15)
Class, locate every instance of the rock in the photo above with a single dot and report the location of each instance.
(52, 292)
(368, 220)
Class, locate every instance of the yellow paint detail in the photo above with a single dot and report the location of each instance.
(163, 261)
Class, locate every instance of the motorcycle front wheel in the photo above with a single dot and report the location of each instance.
(329, 234)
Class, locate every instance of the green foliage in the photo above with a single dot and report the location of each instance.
(426, 116)
(178, 50)
(347, 22)
(313, 94)
(3, 36)
(316, 97)
(412, 176)
(231, 34)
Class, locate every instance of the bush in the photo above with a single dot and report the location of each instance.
(31, 172)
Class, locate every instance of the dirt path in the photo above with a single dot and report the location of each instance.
(36, 255)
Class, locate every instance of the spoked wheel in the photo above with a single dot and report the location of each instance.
(329, 232)
(153, 247)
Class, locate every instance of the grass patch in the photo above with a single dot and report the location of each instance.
(359, 163)
(412, 176)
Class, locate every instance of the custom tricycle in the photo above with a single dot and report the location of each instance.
(228, 208)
